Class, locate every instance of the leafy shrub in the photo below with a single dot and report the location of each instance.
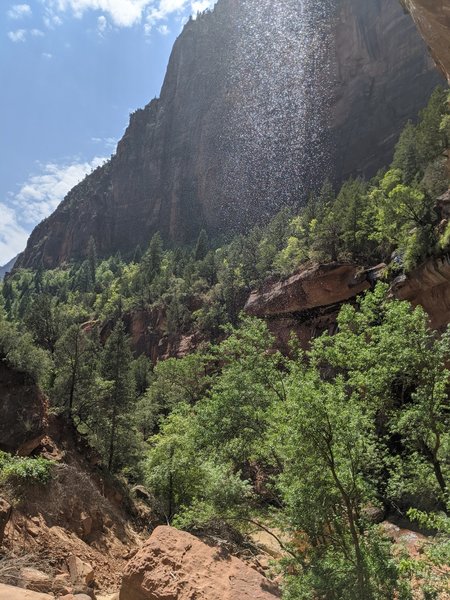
(16, 468)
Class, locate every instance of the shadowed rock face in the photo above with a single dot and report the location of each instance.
(23, 412)
(429, 287)
(261, 101)
(433, 20)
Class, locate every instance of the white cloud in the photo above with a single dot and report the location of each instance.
(19, 11)
(41, 194)
(36, 199)
(201, 5)
(125, 13)
(20, 35)
(17, 36)
(47, 55)
(51, 20)
(102, 24)
(163, 30)
(13, 237)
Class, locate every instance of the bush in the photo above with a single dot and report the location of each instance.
(16, 468)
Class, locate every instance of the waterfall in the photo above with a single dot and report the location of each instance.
(280, 84)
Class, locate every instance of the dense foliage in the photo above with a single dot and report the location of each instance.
(309, 444)
(16, 469)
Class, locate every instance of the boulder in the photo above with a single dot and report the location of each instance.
(84, 591)
(81, 573)
(86, 522)
(76, 595)
(142, 494)
(5, 512)
(33, 579)
(174, 565)
(61, 584)
(8, 592)
(318, 286)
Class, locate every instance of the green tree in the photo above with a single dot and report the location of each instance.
(396, 365)
(19, 351)
(328, 445)
(45, 322)
(173, 468)
(234, 415)
(406, 157)
(117, 404)
(175, 381)
(75, 361)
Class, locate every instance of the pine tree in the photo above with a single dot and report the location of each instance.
(44, 321)
(8, 296)
(116, 369)
(75, 365)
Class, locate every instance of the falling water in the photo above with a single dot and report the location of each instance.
(276, 146)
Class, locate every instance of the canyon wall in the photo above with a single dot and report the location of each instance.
(433, 20)
(261, 102)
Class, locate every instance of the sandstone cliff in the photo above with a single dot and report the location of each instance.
(260, 102)
(433, 20)
(308, 302)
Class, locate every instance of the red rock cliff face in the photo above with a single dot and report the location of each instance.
(428, 286)
(260, 102)
(308, 302)
(433, 20)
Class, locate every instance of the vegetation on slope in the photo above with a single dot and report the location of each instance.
(239, 433)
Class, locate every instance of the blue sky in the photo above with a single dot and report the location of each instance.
(71, 71)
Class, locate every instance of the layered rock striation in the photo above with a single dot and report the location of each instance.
(261, 101)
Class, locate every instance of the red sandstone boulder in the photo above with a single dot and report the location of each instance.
(8, 592)
(174, 565)
(318, 286)
(35, 580)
